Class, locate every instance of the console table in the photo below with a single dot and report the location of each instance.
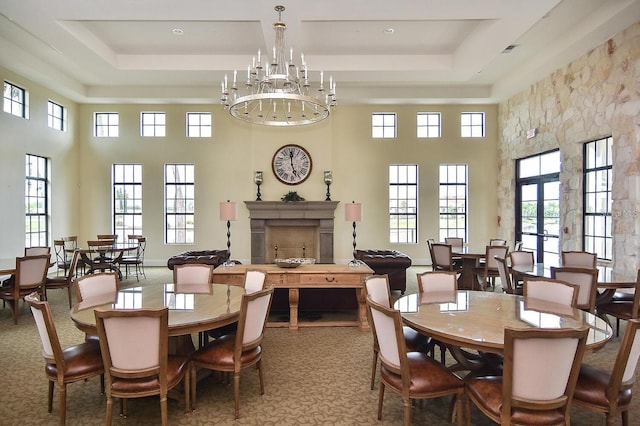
(305, 276)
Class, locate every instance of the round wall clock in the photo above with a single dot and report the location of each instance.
(291, 164)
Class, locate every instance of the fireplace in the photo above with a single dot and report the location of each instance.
(291, 229)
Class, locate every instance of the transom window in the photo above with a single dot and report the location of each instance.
(106, 124)
(36, 201)
(453, 201)
(429, 124)
(179, 203)
(403, 203)
(472, 124)
(15, 100)
(56, 116)
(198, 124)
(153, 124)
(598, 169)
(127, 200)
(383, 125)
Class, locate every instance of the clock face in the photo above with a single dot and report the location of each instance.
(291, 164)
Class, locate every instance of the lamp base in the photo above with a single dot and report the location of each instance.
(355, 262)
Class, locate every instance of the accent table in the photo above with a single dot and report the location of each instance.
(305, 276)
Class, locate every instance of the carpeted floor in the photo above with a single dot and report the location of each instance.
(317, 376)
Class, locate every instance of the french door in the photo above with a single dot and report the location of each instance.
(538, 206)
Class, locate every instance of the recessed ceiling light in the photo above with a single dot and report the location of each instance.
(389, 31)
(177, 31)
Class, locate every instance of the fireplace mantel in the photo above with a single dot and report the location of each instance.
(263, 214)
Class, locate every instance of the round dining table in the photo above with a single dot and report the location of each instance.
(188, 312)
(476, 320)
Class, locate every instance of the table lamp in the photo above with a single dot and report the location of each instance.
(353, 213)
(228, 212)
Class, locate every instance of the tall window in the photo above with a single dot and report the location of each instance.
(453, 201)
(179, 203)
(36, 201)
(153, 124)
(127, 200)
(56, 116)
(14, 100)
(198, 124)
(403, 203)
(472, 124)
(106, 124)
(428, 124)
(598, 168)
(383, 125)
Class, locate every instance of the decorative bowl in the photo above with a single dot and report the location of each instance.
(288, 263)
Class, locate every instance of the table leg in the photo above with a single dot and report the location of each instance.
(467, 279)
(294, 297)
(362, 308)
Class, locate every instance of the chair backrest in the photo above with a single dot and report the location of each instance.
(97, 288)
(254, 310)
(377, 287)
(585, 278)
(430, 241)
(134, 342)
(107, 236)
(454, 241)
(623, 375)
(578, 259)
(192, 273)
(551, 290)
(505, 277)
(517, 246)
(521, 257)
(387, 326)
(438, 282)
(491, 252)
(61, 253)
(51, 349)
(541, 369)
(497, 242)
(73, 264)
(31, 271)
(36, 251)
(441, 257)
(254, 280)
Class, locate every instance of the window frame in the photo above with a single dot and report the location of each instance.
(53, 118)
(112, 125)
(428, 127)
(600, 243)
(383, 126)
(149, 120)
(444, 215)
(19, 107)
(199, 127)
(37, 222)
(403, 203)
(126, 179)
(472, 125)
(182, 232)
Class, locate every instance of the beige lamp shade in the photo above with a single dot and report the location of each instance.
(228, 210)
(353, 212)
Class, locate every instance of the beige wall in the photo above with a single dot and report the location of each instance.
(224, 169)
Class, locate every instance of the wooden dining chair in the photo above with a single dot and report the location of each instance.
(585, 278)
(578, 259)
(505, 277)
(64, 282)
(193, 278)
(622, 308)
(551, 290)
(135, 261)
(413, 375)
(377, 287)
(520, 258)
(441, 285)
(454, 241)
(488, 270)
(97, 288)
(538, 381)
(610, 391)
(134, 345)
(63, 366)
(37, 251)
(442, 258)
(497, 242)
(30, 276)
(238, 351)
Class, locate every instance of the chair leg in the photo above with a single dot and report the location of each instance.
(407, 411)
(187, 391)
(62, 390)
(374, 364)
(109, 409)
(625, 418)
(163, 408)
(50, 398)
(259, 368)
(380, 398)
(192, 372)
(236, 393)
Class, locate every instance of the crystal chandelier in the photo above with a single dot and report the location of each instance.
(277, 92)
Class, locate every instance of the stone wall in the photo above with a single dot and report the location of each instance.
(594, 96)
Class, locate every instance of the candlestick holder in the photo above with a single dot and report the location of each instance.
(328, 179)
(257, 179)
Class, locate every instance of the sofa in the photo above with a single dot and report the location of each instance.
(390, 262)
(208, 257)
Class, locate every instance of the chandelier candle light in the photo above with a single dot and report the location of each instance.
(277, 91)
(228, 212)
(353, 213)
